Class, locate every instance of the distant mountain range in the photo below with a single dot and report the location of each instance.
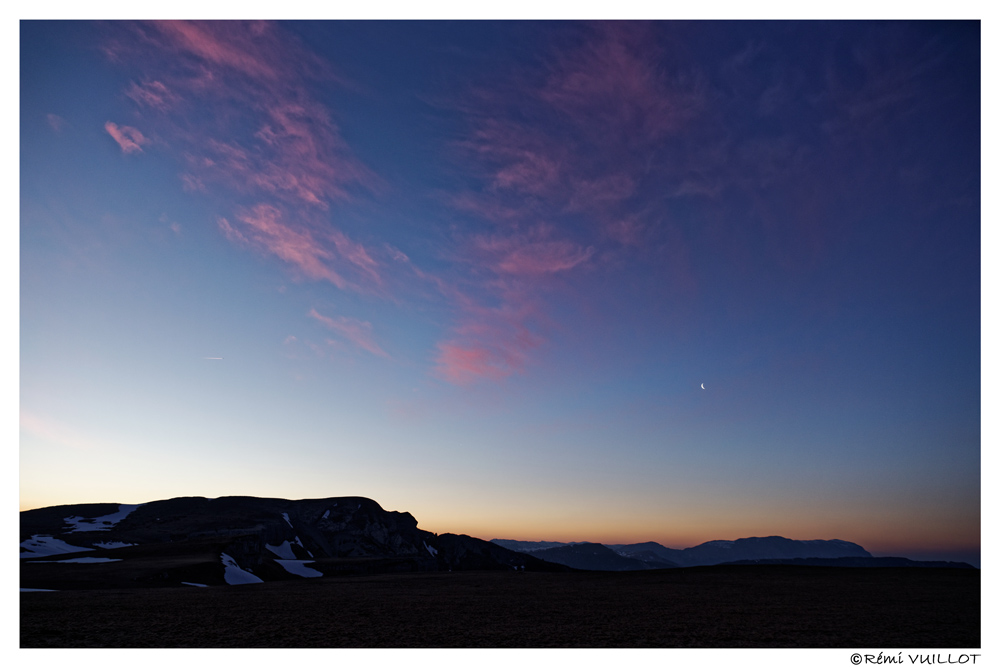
(769, 550)
(194, 541)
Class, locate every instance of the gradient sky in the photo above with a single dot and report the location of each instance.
(479, 272)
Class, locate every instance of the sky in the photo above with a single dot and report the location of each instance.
(615, 282)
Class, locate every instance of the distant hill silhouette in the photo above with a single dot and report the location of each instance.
(757, 550)
(529, 545)
(712, 552)
(596, 557)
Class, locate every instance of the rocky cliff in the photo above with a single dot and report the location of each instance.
(238, 540)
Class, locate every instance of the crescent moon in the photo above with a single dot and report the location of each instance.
(703, 386)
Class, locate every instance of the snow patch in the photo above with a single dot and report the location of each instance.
(284, 551)
(103, 523)
(326, 514)
(193, 584)
(431, 550)
(285, 515)
(78, 560)
(298, 567)
(235, 575)
(110, 545)
(46, 546)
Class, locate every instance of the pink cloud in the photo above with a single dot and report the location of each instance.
(314, 254)
(130, 139)
(614, 86)
(356, 254)
(267, 134)
(576, 138)
(521, 256)
(579, 136)
(191, 183)
(491, 343)
(222, 43)
(294, 156)
(153, 94)
(57, 433)
(517, 158)
(485, 352)
(356, 331)
(528, 172)
(396, 254)
(626, 230)
(483, 206)
(56, 122)
(263, 227)
(231, 232)
(602, 191)
(566, 158)
(464, 365)
(261, 134)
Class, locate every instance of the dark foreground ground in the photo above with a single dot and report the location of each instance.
(716, 606)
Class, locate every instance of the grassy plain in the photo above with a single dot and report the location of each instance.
(716, 606)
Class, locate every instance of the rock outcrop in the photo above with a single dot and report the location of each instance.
(184, 540)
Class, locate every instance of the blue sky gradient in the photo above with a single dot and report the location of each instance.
(479, 272)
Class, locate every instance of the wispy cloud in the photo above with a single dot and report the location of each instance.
(356, 331)
(316, 255)
(463, 365)
(130, 139)
(243, 47)
(153, 94)
(492, 342)
(562, 159)
(263, 228)
(615, 88)
(235, 100)
(484, 350)
(526, 256)
(56, 122)
(55, 432)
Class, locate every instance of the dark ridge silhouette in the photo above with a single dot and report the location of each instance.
(239, 540)
(654, 555)
(597, 557)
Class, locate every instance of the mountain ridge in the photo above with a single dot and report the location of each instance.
(237, 540)
(714, 551)
(743, 551)
(199, 541)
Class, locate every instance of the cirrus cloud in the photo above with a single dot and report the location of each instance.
(236, 101)
(129, 139)
(358, 332)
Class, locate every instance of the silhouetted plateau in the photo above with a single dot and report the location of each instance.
(239, 540)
